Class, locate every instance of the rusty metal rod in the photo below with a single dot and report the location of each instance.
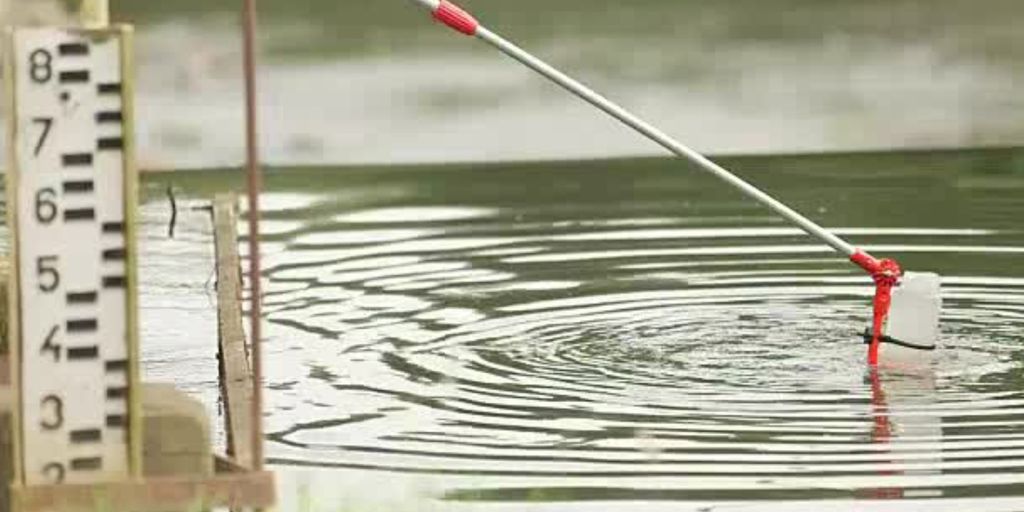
(254, 185)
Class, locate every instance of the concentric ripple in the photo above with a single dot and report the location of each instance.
(627, 332)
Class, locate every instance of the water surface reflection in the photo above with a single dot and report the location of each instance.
(628, 333)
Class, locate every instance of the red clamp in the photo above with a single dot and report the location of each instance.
(886, 274)
(456, 18)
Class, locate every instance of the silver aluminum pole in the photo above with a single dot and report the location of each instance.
(451, 15)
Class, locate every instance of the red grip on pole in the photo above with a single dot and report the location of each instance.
(886, 273)
(866, 262)
(456, 18)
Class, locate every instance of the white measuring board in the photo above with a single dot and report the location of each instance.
(73, 183)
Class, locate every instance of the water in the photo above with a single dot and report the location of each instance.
(615, 335)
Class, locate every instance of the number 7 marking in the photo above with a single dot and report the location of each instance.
(47, 123)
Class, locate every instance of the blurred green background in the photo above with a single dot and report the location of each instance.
(377, 82)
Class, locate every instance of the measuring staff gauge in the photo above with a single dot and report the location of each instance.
(71, 188)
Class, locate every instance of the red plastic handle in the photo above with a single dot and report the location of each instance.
(866, 262)
(456, 18)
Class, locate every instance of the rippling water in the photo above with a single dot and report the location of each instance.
(628, 332)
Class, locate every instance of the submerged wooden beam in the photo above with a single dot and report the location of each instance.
(236, 374)
(176, 434)
(178, 465)
(171, 494)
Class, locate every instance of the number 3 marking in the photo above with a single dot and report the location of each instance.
(56, 420)
(55, 472)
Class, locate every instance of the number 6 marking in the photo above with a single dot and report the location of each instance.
(46, 206)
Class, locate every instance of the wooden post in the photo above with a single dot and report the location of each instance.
(131, 208)
(236, 375)
(10, 288)
(6, 395)
(5, 272)
(94, 13)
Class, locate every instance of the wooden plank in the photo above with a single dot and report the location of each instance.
(131, 209)
(5, 273)
(54, 146)
(231, 487)
(13, 313)
(222, 464)
(6, 445)
(236, 375)
(7, 402)
(165, 494)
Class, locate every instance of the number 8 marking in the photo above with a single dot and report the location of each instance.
(40, 66)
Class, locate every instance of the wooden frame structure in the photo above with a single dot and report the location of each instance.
(236, 381)
(239, 480)
(235, 483)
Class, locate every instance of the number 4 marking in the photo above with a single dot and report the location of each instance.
(50, 346)
(47, 123)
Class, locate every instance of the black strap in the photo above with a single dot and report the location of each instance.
(894, 341)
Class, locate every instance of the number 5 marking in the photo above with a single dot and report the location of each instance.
(47, 123)
(47, 271)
